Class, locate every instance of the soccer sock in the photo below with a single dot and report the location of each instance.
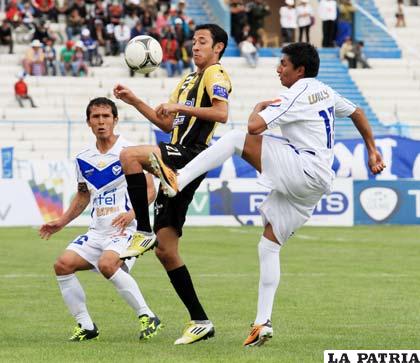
(130, 292)
(75, 299)
(182, 283)
(137, 190)
(229, 144)
(269, 255)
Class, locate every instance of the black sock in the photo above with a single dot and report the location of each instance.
(137, 190)
(181, 280)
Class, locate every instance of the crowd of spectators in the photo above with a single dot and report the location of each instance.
(94, 28)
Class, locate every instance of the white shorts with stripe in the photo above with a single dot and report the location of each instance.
(91, 245)
(295, 188)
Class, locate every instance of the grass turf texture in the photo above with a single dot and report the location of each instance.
(341, 288)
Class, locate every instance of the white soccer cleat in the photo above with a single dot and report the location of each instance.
(195, 331)
(167, 176)
(259, 334)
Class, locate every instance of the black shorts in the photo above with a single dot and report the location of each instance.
(171, 212)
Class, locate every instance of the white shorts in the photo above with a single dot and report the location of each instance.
(294, 190)
(91, 245)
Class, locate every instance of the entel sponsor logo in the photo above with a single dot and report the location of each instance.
(104, 199)
(333, 204)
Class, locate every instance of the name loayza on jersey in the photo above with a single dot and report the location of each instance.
(105, 180)
(305, 114)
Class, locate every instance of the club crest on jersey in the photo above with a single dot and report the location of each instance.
(116, 169)
(190, 103)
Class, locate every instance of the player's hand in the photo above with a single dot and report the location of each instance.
(50, 228)
(123, 220)
(375, 162)
(125, 94)
(166, 109)
(264, 104)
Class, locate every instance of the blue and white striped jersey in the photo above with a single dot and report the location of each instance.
(105, 180)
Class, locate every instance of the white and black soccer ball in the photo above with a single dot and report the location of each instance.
(143, 54)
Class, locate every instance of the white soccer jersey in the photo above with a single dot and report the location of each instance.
(305, 114)
(105, 179)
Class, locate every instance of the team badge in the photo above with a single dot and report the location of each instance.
(116, 169)
(220, 91)
(101, 164)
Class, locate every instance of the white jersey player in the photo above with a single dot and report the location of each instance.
(101, 184)
(296, 167)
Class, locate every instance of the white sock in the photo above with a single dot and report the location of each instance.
(75, 299)
(129, 290)
(269, 255)
(229, 144)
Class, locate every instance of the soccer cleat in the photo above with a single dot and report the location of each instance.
(195, 331)
(149, 326)
(80, 334)
(140, 243)
(259, 334)
(166, 175)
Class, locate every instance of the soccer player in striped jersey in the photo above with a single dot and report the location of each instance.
(297, 168)
(101, 184)
(195, 108)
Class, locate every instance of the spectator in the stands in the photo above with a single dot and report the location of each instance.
(13, 14)
(162, 20)
(249, 51)
(146, 20)
(399, 15)
(348, 52)
(99, 11)
(187, 56)
(122, 35)
(28, 15)
(66, 58)
(131, 18)
(288, 22)
(179, 30)
(79, 66)
(361, 58)
(75, 22)
(98, 32)
(137, 30)
(34, 60)
(43, 32)
(328, 14)
(91, 48)
(45, 8)
(50, 58)
(345, 21)
(171, 59)
(305, 18)
(111, 44)
(21, 91)
(6, 37)
(257, 11)
(238, 19)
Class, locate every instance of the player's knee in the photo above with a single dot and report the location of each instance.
(237, 139)
(63, 267)
(166, 256)
(108, 267)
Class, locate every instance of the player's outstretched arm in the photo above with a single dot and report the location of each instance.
(77, 206)
(164, 122)
(375, 162)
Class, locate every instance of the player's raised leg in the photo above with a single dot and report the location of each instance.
(73, 294)
(231, 143)
(110, 266)
(133, 160)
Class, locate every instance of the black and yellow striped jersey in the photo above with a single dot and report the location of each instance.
(198, 90)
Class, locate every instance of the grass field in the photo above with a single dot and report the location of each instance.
(341, 288)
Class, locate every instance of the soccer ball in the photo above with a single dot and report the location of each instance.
(143, 54)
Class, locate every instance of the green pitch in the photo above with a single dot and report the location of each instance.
(341, 288)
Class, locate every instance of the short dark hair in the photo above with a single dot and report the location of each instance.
(217, 33)
(303, 54)
(101, 101)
